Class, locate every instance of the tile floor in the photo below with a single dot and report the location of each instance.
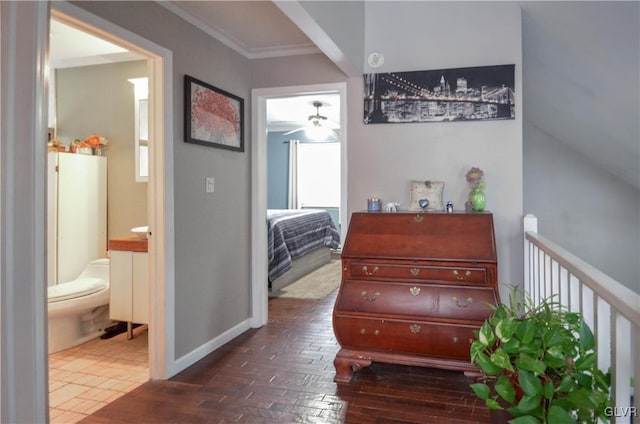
(85, 378)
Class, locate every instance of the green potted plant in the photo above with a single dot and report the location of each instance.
(539, 364)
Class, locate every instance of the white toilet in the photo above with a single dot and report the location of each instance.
(79, 309)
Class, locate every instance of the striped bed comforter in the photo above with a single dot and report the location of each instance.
(292, 233)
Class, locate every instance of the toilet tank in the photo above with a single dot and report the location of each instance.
(98, 268)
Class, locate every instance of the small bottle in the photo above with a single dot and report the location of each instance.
(449, 207)
(374, 205)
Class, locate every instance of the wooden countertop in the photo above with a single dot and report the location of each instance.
(132, 244)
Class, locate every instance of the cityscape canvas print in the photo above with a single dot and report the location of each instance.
(460, 94)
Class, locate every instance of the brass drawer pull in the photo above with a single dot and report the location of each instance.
(415, 271)
(465, 304)
(372, 298)
(375, 332)
(366, 271)
(461, 277)
(418, 218)
(415, 329)
(414, 291)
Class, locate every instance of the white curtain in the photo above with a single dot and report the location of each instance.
(293, 174)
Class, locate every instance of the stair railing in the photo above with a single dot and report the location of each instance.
(611, 309)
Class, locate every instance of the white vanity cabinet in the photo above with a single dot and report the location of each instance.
(129, 282)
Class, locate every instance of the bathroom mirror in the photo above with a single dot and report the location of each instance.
(141, 105)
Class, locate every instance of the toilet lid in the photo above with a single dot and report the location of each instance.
(75, 288)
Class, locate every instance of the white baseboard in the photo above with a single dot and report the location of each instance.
(197, 354)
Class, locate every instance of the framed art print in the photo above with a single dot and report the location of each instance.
(426, 196)
(213, 117)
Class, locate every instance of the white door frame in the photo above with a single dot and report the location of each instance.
(160, 185)
(259, 262)
(24, 28)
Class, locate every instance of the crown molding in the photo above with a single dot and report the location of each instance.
(233, 43)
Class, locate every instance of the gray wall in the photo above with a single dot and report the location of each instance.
(212, 233)
(294, 70)
(581, 207)
(344, 22)
(580, 70)
(99, 100)
(383, 159)
(582, 132)
(277, 170)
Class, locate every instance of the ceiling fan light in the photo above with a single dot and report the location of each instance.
(317, 132)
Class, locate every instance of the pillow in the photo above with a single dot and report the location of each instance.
(426, 196)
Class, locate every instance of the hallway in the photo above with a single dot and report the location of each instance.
(283, 373)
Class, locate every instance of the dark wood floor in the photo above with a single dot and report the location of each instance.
(283, 373)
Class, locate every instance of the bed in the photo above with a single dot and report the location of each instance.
(299, 241)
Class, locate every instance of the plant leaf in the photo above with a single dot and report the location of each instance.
(486, 365)
(529, 363)
(556, 352)
(600, 399)
(481, 390)
(526, 419)
(547, 390)
(553, 337)
(554, 362)
(581, 399)
(525, 331)
(485, 335)
(587, 341)
(512, 346)
(493, 404)
(501, 359)
(529, 403)
(505, 329)
(566, 384)
(558, 415)
(572, 317)
(529, 383)
(584, 380)
(586, 362)
(476, 349)
(505, 389)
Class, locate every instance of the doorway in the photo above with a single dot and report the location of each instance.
(259, 179)
(160, 189)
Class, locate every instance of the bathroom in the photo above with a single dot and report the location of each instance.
(86, 99)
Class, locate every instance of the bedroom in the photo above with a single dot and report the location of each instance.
(304, 187)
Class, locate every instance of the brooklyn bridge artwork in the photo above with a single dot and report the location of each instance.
(461, 94)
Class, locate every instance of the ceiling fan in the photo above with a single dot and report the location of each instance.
(317, 127)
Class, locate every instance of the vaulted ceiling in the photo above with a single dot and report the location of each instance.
(585, 54)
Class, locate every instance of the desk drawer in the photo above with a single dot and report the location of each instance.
(420, 300)
(369, 270)
(398, 336)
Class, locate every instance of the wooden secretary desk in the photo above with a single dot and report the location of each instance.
(414, 287)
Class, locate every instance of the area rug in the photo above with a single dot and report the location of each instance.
(316, 285)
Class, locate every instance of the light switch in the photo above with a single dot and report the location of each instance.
(209, 185)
